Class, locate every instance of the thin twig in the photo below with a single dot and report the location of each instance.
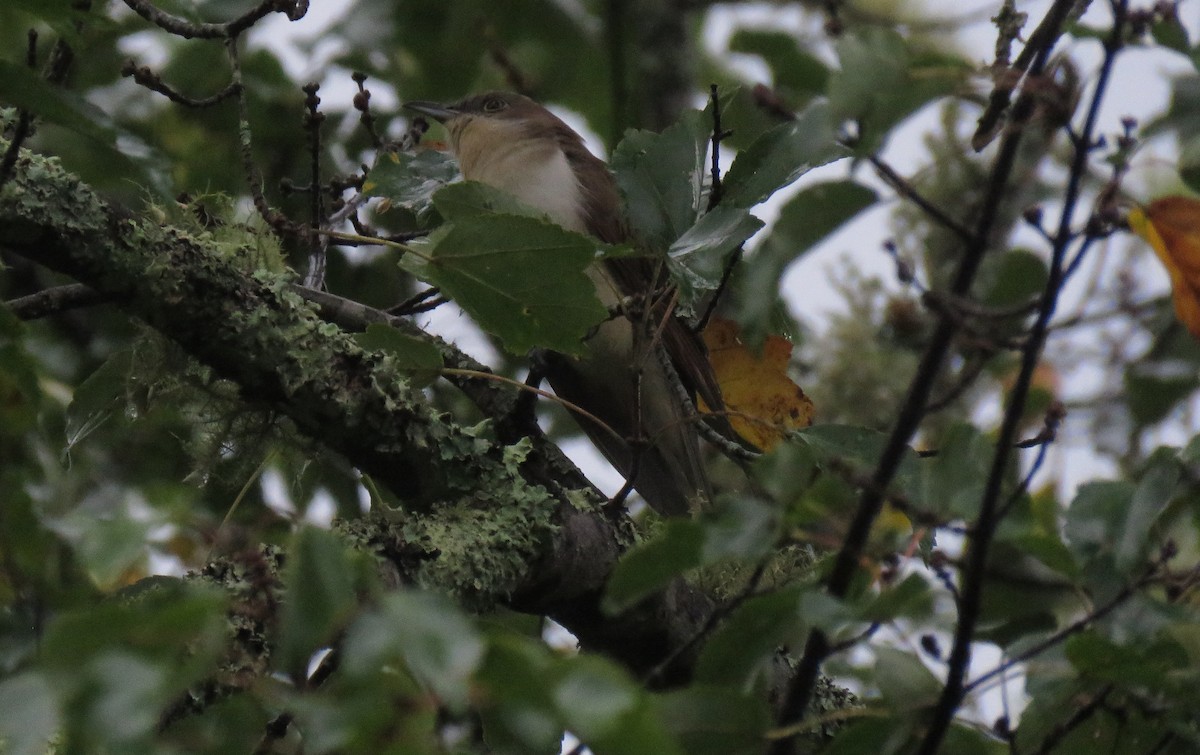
(422, 301)
(1077, 719)
(277, 221)
(905, 189)
(54, 300)
(572, 407)
(181, 27)
(715, 192)
(716, 617)
(313, 118)
(1075, 627)
(971, 599)
(147, 78)
(796, 697)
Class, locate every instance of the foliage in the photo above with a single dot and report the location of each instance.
(228, 524)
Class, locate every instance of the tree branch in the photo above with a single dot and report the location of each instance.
(495, 523)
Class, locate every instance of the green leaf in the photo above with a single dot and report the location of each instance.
(128, 693)
(861, 447)
(810, 216)
(742, 528)
(952, 482)
(780, 156)
(1018, 278)
(698, 258)
(1191, 452)
(412, 354)
(910, 599)
(319, 581)
(98, 398)
(154, 622)
(741, 653)
(29, 715)
(608, 711)
(437, 642)
(882, 80)
(650, 566)
(1150, 498)
(465, 199)
(872, 735)
(410, 179)
(1151, 665)
(1189, 162)
(714, 719)
(904, 681)
(796, 71)
(662, 178)
(523, 280)
(515, 705)
(107, 545)
(1153, 393)
(23, 88)
(1171, 33)
(1094, 519)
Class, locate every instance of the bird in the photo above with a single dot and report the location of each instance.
(624, 374)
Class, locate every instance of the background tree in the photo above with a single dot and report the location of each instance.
(216, 342)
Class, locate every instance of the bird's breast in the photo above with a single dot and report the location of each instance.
(532, 170)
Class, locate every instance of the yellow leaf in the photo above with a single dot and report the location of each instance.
(1171, 225)
(762, 401)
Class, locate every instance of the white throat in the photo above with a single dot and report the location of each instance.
(534, 171)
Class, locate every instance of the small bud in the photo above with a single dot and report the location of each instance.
(930, 645)
(1033, 216)
(1002, 727)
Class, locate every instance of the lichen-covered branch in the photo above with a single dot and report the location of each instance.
(485, 521)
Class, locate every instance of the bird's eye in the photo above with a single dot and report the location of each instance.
(493, 105)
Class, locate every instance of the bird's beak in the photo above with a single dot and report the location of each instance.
(435, 110)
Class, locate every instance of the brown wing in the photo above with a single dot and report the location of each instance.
(638, 275)
(685, 348)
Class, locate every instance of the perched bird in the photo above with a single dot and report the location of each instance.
(514, 144)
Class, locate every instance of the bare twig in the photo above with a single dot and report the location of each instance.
(970, 602)
(912, 411)
(181, 27)
(905, 189)
(152, 81)
(362, 103)
(422, 301)
(53, 300)
(714, 618)
(714, 198)
(313, 118)
(1075, 627)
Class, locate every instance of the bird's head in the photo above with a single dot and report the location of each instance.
(491, 120)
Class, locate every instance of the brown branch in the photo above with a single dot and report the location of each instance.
(152, 81)
(905, 189)
(181, 27)
(54, 300)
